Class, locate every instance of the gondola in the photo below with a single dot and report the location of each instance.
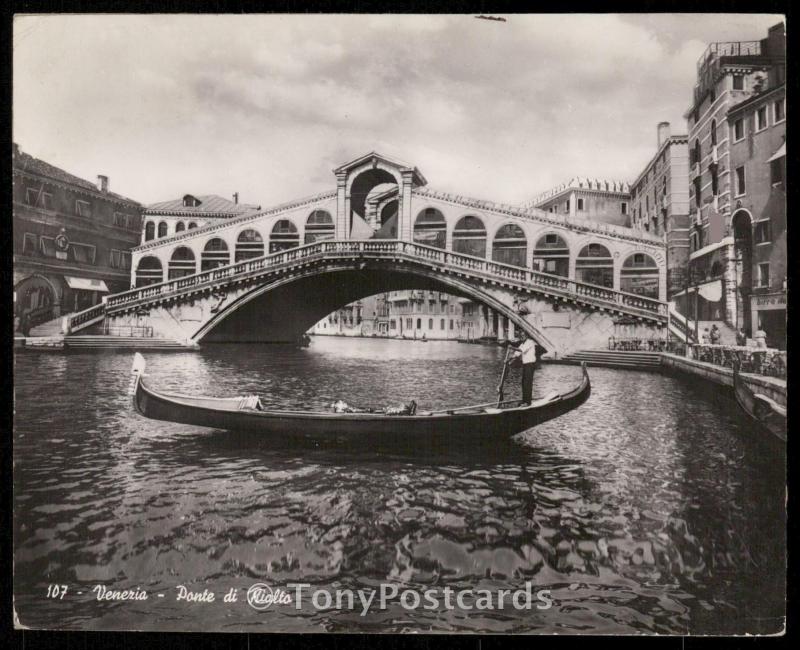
(482, 421)
(762, 410)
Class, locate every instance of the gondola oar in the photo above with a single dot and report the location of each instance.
(503, 378)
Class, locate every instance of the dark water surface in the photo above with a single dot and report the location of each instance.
(648, 510)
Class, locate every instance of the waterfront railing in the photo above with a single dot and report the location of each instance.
(770, 362)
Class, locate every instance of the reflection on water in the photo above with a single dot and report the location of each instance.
(648, 509)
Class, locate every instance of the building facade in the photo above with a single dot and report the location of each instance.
(417, 314)
(660, 200)
(758, 222)
(169, 217)
(71, 240)
(728, 74)
(587, 198)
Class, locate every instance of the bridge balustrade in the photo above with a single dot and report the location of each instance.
(321, 249)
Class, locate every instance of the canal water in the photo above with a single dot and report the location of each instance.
(650, 509)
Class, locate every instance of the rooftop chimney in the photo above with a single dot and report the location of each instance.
(663, 133)
(102, 183)
(236, 198)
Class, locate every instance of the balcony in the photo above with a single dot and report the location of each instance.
(730, 48)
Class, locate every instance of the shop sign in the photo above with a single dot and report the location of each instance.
(769, 301)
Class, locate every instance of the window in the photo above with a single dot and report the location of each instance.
(82, 253)
(779, 111)
(763, 274)
(738, 82)
(776, 172)
(738, 130)
(761, 118)
(441, 324)
(120, 219)
(83, 208)
(762, 233)
(714, 181)
(149, 231)
(697, 192)
(192, 225)
(409, 323)
(180, 226)
(162, 229)
(566, 206)
(30, 243)
(740, 181)
(713, 133)
(419, 323)
(580, 204)
(451, 323)
(624, 208)
(38, 198)
(120, 259)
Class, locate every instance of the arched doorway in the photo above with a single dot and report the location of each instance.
(319, 227)
(742, 226)
(181, 263)
(595, 265)
(510, 245)
(35, 301)
(362, 187)
(284, 235)
(551, 255)
(430, 228)
(469, 237)
(214, 254)
(639, 275)
(249, 244)
(149, 271)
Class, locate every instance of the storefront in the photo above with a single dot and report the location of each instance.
(83, 292)
(769, 314)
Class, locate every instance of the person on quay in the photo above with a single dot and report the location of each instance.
(760, 337)
(705, 337)
(715, 334)
(741, 338)
(526, 351)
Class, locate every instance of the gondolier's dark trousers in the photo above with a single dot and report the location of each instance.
(527, 381)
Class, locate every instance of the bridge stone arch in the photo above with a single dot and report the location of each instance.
(307, 295)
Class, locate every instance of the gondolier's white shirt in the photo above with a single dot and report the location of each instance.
(527, 351)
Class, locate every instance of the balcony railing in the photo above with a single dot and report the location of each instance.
(730, 48)
(381, 249)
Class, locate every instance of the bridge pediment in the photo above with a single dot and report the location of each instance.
(376, 160)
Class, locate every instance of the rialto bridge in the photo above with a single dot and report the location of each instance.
(270, 275)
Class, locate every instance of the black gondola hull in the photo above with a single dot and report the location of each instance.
(490, 425)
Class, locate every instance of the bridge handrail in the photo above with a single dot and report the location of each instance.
(431, 253)
(80, 317)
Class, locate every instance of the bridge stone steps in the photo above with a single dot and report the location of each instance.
(616, 359)
(108, 342)
(48, 328)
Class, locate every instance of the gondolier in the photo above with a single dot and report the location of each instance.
(526, 352)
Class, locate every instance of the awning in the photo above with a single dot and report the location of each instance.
(712, 291)
(85, 284)
(780, 153)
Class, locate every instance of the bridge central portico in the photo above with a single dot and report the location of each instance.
(270, 275)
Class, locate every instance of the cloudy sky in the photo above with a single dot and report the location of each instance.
(269, 105)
